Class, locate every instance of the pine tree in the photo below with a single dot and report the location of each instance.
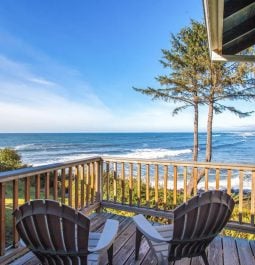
(183, 82)
(195, 80)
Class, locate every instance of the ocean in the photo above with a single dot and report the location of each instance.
(44, 148)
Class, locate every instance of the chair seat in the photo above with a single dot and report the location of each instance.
(93, 259)
(195, 223)
(161, 249)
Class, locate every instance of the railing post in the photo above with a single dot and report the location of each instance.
(55, 185)
(175, 186)
(27, 189)
(252, 197)
(185, 172)
(15, 191)
(82, 185)
(76, 186)
(2, 219)
(70, 184)
(99, 182)
(63, 185)
(47, 186)
(115, 182)
(37, 186)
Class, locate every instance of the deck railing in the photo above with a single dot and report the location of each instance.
(154, 186)
(151, 187)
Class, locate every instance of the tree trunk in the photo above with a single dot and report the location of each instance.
(195, 147)
(195, 137)
(208, 156)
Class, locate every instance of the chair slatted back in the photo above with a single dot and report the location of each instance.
(56, 233)
(198, 221)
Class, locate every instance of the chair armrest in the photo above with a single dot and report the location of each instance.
(107, 237)
(144, 226)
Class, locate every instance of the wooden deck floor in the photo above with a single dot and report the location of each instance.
(222, 251)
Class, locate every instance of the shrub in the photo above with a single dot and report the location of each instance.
(10, 159)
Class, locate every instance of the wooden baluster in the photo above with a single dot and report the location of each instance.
(184, 184)
(70, 186)
(47, 186)
(217, 178)
(156, 186)
(206, 179)
(139, 185)
(55, 185)
(195, 180)
(27, 189)
(77, 180)
(2, 219)
(83, 186)
(15, 206)
(107, 181)
(175, 186)
(241, 175)
(63, 185)
(252, 197)
(148, 185)
(229, 181)
(130, 184)
(123, 183)
(97, 181)
(87, 183)
(115, 182)
(92, 177)
(165, 185)
(38, 186)
(100, 180)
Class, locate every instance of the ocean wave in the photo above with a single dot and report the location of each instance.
(244, 134)
(247, 134)
(228, 144)
(146, 153)
(156, 153)
(24, 147)
(63, 159)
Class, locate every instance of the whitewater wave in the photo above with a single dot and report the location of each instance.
(247, 134)
(157, 153)
(23, 147)
(244, 134)
(145, 153)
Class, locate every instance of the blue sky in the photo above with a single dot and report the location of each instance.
(69, 66)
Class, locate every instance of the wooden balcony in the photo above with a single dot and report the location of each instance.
(136, 186)
(223, 250)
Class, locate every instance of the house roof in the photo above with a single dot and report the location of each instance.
(230, 27)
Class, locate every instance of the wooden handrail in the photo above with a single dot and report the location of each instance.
(31, 171)
(213, 165)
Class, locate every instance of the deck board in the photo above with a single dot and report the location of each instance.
(222, 251)
(245, 253)
(230, 251)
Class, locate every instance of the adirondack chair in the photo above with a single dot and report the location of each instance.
(57, 234)
(195, 224)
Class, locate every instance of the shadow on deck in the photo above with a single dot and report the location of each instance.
(222, 251)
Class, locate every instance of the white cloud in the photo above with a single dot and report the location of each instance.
(33, 103)
(29, 102)
(41, 81)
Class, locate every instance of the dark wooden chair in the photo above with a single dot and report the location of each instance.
(195, 224)
(57, 234)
